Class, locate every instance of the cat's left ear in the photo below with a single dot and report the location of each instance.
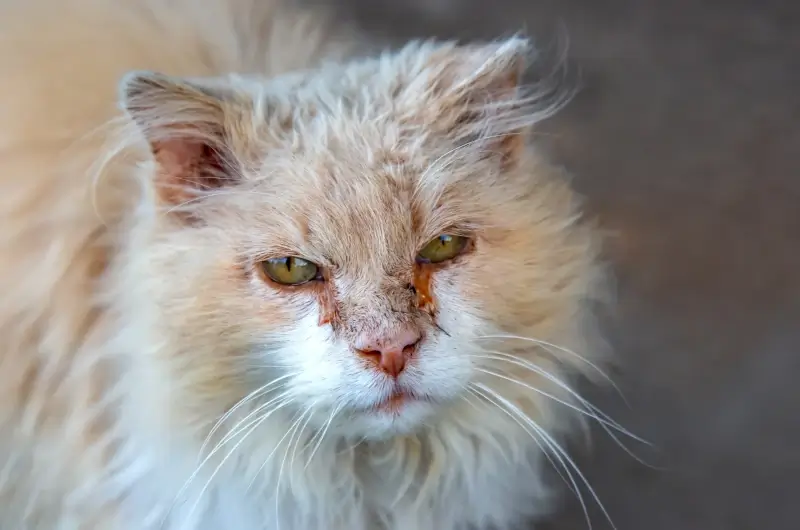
(479, 88)
(184, 123)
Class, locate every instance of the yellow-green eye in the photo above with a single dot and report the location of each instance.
(290, 270)
(443, 248)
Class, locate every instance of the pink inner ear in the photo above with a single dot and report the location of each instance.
(186, 168)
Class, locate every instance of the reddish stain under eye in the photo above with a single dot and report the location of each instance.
(327, 305)
(422, 285)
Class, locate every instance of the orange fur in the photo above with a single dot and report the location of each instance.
(130, 317)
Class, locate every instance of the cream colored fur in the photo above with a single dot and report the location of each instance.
(134, 335)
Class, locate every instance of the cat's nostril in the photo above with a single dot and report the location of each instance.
(389, 352)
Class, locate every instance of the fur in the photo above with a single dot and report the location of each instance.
(150, 378)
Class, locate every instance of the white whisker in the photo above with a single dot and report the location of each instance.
(352, 446)
(556, 447)
(569, 482)
(518, 416)
(295, 428)
(249, 397)
(547, 345)
(225, 459)
(322, 435)
(272, 453)
(547, 395)
(235, 431)
(606, 422)
(300, 432)
(596, 413)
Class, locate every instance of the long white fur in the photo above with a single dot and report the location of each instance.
(97, 419)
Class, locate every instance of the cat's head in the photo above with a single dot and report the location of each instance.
(360, 242)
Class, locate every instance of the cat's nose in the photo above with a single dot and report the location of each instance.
(389, 351)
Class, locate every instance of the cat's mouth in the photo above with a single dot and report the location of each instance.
(399, 400)
(394, 403)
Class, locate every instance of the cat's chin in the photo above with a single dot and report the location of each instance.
(392, 418)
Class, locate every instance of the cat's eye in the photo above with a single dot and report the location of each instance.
(443, 248)
(290, 270)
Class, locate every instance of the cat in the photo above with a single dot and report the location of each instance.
(257, 275)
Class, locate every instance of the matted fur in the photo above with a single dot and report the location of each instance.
(138, 344)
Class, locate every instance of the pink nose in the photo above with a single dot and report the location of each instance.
(389, 351)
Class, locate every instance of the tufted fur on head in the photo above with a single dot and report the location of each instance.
(156, 374)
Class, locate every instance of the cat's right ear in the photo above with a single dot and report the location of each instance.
(184, 124)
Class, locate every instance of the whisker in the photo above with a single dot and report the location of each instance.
(272, 453)
(249, 397)
(599, 415)
(294, 429)
(574, 485)
(234, 432)
(535, 439)
(225, 459)
(595, 410)
(321, 436)
(496, 445)
(299, 436)
(352, 446)
(555, 446)
(236, 429)
(605, 422)
(562, 349)
(547, 395)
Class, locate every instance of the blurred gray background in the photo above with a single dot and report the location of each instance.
(685, 140)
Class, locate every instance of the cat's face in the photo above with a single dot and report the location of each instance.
(353, 241)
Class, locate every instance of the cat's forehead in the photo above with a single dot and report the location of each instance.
(345, 209)
(378, 155)
(339, 170)
(364, 124)
(364, 210)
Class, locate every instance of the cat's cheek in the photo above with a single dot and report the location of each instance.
(446, 364)
(467, 314)
(457, 311)
(310, 354)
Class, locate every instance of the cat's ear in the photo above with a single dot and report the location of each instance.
(480, 90)
(184, 124)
